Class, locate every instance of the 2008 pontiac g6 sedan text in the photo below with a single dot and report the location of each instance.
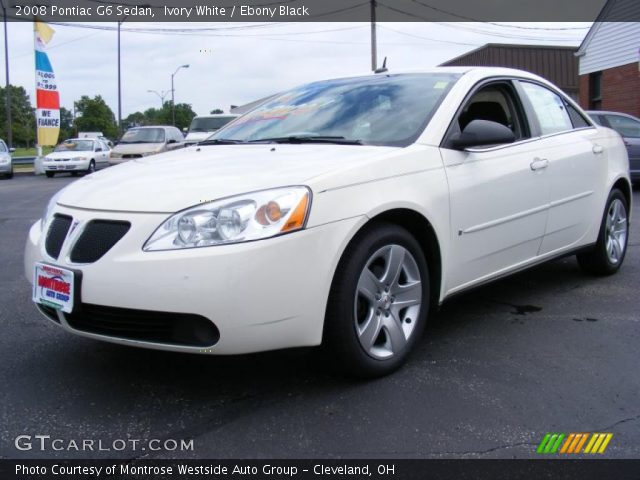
(339, 213)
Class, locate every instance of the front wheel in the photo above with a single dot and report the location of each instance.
(91, 168)
(49, 174)
(379, 301)
(608, 254)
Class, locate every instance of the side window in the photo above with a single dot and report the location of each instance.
(549, 109)
(3, 147)
(496, 103)
(576, 117)
(625, 126)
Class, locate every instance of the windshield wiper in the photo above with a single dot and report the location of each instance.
(220, 141)
(308, 139)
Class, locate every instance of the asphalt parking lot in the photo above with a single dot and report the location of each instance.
(549, 350)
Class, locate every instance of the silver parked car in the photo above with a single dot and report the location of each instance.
(628, 127)
(6, 163)
(138, 142)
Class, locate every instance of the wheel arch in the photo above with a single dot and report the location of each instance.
(422, 229)
(624, 186)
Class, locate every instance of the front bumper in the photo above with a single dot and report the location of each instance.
(5, 167)
(65, 166)
(260, 295)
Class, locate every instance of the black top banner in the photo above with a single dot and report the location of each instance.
(323, 10)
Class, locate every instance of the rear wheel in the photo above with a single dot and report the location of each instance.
(49, 174)
(608, 254)
(378, 303)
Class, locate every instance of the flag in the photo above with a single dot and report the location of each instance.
(47, 97)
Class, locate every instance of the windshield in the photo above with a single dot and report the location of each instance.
(376, 110)
(143, 135)
(208, 124)
(75, 146)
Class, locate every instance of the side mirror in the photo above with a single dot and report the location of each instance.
(171, 141)
(11, 150)
(98, 149)
(479, 133)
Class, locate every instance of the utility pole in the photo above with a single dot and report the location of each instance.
(6, 69)
(374, 47)
(173, 102)
(120, 80)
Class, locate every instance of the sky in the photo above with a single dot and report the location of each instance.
(234, 63)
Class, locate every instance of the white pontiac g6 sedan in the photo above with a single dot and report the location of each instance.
(339, 213)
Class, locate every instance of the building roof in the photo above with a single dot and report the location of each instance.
(557, 64)
(505, 45)
(612, 11)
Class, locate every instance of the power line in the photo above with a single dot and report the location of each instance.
(463, 17)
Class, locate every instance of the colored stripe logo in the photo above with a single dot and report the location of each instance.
(573, 443)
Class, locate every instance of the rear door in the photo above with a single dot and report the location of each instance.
(576, 163)
(498, 201)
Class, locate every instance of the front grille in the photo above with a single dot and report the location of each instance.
(179, 329)
(57, 233)
(98, 237)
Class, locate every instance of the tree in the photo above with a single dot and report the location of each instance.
(23, 118)
(184, 115)
(95, 116)
(216, 111)
(67, 129)
(136, 119)
(164, 116)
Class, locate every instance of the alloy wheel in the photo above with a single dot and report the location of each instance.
(616, 231)
(387, 301)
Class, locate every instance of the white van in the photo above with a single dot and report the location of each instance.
(202, 127)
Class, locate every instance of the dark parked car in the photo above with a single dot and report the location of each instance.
(628, 127)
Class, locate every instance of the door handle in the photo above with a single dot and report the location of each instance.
(597, 149)
(539, 163)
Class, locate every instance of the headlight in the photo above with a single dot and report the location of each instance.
(116, 155)
(78, 159)
(252, 216)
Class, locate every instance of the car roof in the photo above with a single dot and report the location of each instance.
(151, 126)
(217, 115)
(609, 112)
(477, 71)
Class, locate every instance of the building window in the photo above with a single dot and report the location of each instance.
(595, 91)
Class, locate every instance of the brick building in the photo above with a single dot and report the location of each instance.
(609, 60)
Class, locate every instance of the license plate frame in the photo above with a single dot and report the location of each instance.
(56, 287)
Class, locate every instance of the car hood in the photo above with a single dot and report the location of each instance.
(127, 148)
(61, 155)
(172, 181)
(198, 136)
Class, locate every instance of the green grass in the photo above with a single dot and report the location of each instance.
(30, 152)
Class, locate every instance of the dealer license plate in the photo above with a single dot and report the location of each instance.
(53, 287)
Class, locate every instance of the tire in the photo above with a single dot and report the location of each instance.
(369, 333)
(607, 256)
(49, 174)
(91, 168)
